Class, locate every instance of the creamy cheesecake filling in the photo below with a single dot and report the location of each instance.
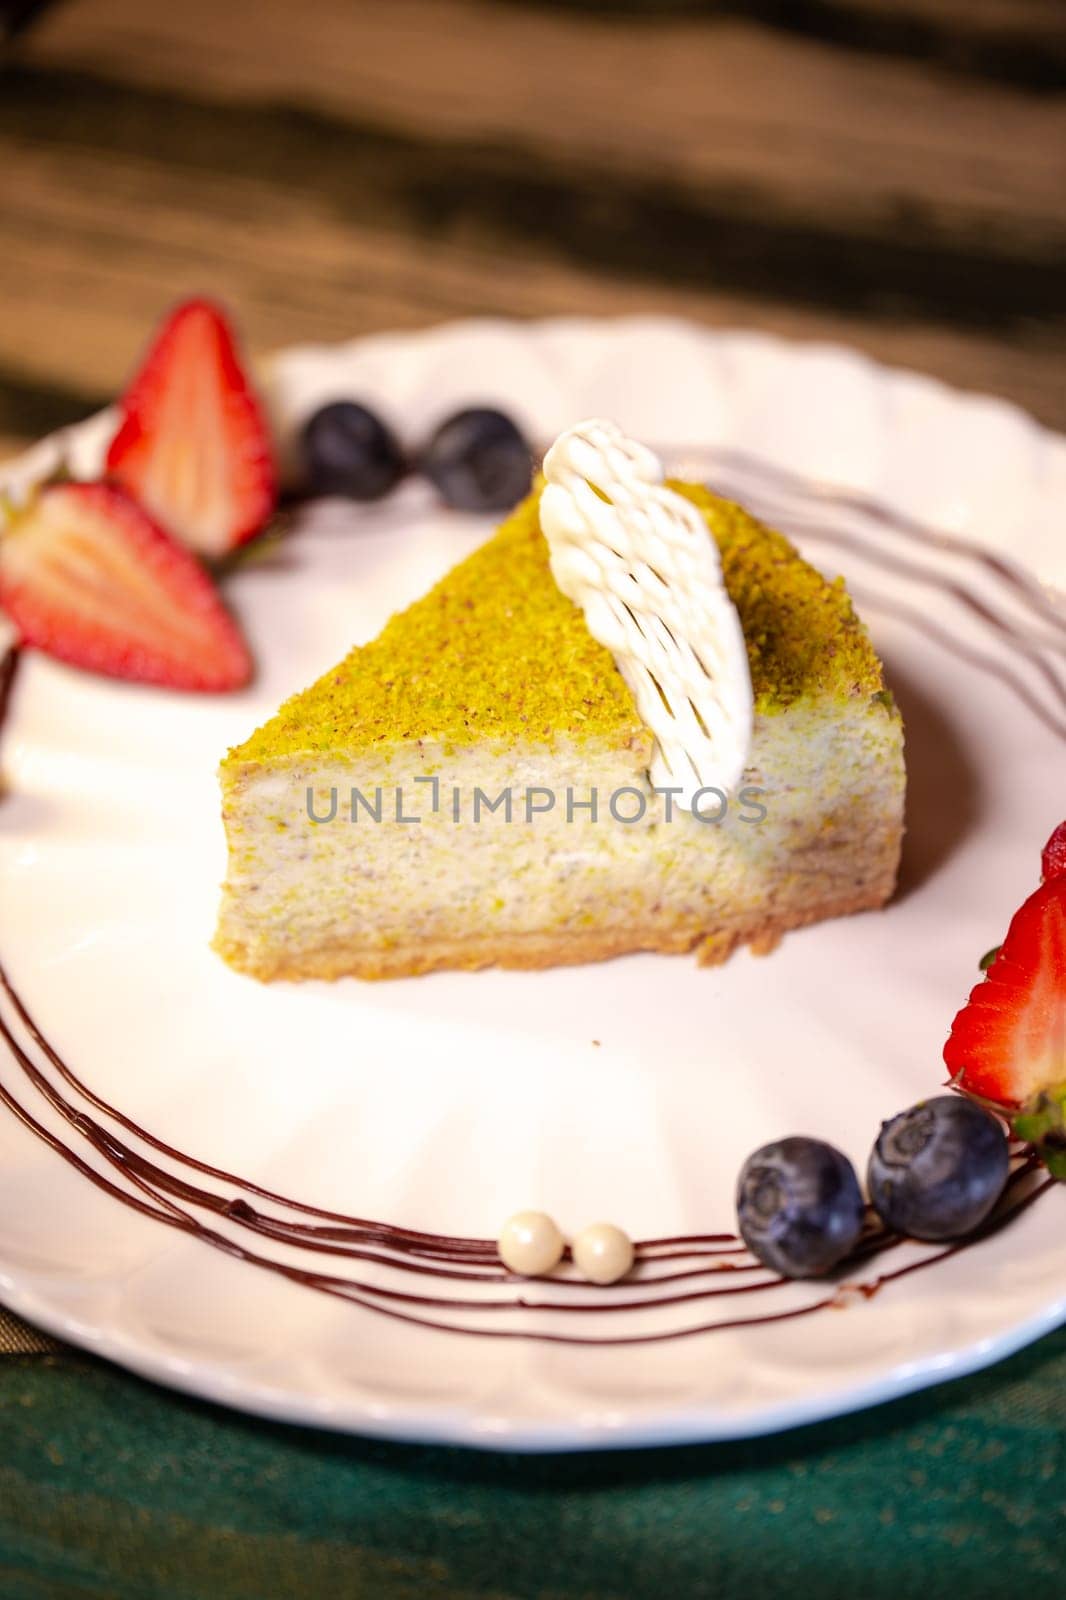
(367, 886)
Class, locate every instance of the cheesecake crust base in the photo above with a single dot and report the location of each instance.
(536, 951)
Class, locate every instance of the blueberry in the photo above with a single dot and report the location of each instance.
(799, 1206)
(478, 461)
(348, 450)
(937, 1170)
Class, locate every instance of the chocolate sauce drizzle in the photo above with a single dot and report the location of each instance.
(153, 1178)
(1034, 648)
(784, 482)
(174, 1189)
(9, 662)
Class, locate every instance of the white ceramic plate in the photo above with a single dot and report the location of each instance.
(630, 1090)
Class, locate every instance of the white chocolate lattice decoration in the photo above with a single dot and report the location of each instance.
(641, 562)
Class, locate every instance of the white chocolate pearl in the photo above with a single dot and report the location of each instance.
(602, 1253)
(530, 1244)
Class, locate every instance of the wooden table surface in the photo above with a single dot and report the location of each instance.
(891, 173)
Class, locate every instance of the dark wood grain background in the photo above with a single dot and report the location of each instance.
(891, 173)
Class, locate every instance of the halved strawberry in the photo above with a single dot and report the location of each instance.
(1009, 1040)
(193, 445)
(88, 577)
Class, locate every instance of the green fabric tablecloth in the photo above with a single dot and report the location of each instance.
(112, 1488)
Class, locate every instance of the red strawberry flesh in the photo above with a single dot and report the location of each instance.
(193, 445)
(1009, 1040)
(89, 578)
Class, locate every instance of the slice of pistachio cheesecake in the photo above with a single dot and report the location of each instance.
(476, 786)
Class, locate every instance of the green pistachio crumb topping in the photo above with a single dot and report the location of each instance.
(496, 651)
